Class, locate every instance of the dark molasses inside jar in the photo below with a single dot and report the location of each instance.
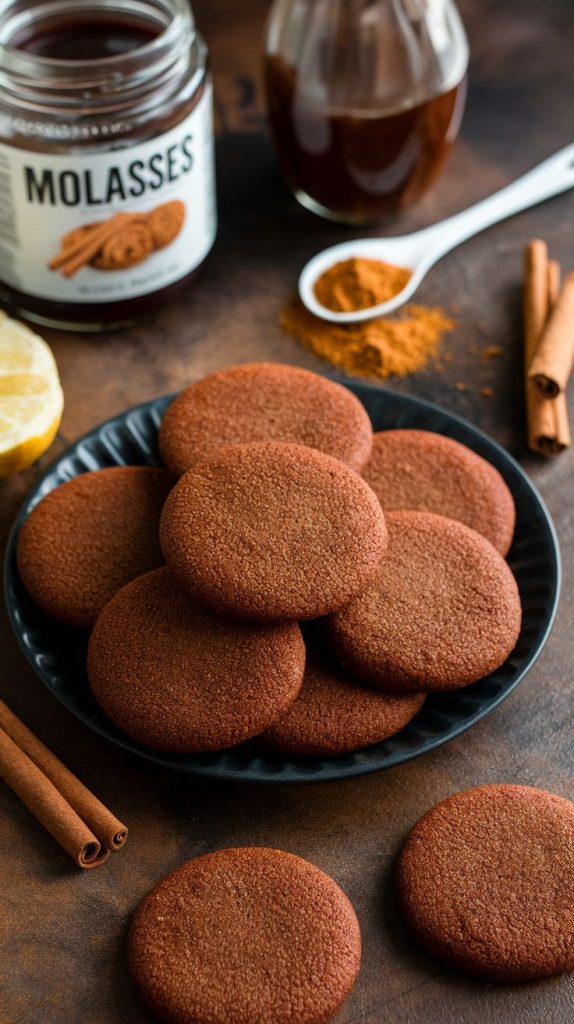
(365, 99)
(107, 196)
(82, 38)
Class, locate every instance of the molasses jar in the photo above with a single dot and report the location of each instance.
(107, 194)
(365, 99)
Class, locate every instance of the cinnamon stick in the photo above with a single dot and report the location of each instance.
(554, 276)
(554, 435)
(48, 805)
(547, 418)
(72, 259)
(110, 832)
(552, 362)
(536, 278)
(74, 242)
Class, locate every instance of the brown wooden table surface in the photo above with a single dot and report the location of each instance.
(62, 932)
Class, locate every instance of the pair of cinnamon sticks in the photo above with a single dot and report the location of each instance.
(82, 825)
(548, 349)
(76, 255)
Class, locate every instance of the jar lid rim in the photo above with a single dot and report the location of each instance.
(181, 25)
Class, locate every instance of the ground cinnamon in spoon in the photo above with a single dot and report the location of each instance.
(360, 283)
(377, 348)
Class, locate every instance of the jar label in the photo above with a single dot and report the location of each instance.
(109, 226)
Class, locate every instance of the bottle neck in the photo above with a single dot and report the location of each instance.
(120, 52)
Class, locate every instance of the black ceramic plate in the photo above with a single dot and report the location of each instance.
(58, 653)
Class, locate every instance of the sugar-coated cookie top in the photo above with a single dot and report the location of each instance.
(179, 679)
(264, 402)
(244, 935)
(426, 472)
(443, 612)
(486, 882)
(273, 531)
(89, 537)
(335, 713)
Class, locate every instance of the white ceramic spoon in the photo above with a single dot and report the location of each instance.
(421, 250)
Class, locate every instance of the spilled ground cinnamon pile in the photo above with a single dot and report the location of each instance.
(375, 348)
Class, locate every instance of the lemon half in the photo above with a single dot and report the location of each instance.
(31, 397)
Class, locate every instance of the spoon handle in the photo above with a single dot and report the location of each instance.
(548, 179)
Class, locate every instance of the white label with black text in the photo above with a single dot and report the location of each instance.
(109, 226)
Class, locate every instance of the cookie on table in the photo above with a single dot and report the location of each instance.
(264, 402)
(89, 537)
(426, 472)
(334, 713)
(176, 678)
(273, 532)
(444, 611)
(244, 935)
(486, 882)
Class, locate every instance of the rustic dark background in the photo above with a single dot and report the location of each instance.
(62, 932)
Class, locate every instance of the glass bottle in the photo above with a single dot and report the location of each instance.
(365, 99)
(107, 190)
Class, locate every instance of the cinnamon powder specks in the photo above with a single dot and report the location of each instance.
(377, 348)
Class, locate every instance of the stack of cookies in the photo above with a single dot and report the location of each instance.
(319, 580)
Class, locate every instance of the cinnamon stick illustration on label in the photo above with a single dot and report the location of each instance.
(122, 241)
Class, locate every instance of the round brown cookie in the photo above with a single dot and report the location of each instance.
(264, 402)
(486, 882)
(335, 714)
(425, 472)
(126, 248)
(91, 536)
(177, 678)
(166, 222)
(444, 611)
(273, 532)
(244, 935)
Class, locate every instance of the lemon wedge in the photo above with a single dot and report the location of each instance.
(31, 398)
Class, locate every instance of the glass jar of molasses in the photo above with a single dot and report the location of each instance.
(107, 194)
(365, 99)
